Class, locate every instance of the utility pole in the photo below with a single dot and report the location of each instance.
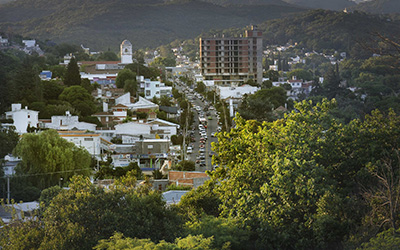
(8, 190)
(185, 132)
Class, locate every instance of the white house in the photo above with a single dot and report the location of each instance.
(29, 43)
(22, 118)
(156, 89)
(132, 128)
(226, 93)
(159, 127)
(3, 41)
(164, 129)
(69, 122)
(143, 105)
(90, 141)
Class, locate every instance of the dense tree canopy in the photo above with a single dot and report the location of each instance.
(79, 217)
(79, 99)
(124, 76)
(260, 105)
(297, 181)
(9, 139)
(46, 157)
(72, 75)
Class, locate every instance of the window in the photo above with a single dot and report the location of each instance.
(149, 146)
(88, 139)
(148, 92)
(147, 85)
(157, 85)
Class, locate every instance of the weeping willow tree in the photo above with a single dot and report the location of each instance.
(46, 158)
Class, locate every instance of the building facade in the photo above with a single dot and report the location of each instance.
(126, 52)
(22, 118)
(232, 60)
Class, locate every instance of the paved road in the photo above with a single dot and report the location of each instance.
(212, 126)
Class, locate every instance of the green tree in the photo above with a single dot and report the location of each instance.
(51, 90)
(108, 56)
(9, 139)
(46, 157)
(117, 241)
(79, 217)
(300, 74)
(200, 88)
(261, 104)
(58, 71)
(185, 166)
(25, 84)
(164, 61)
(130, 86)
(85, 83)
(72, 75)
(386, 240)
(47, 195)
(224, 231)
(331, 83)
(282, 179)
(79, 99)
(272, 75)
(22, 235)
(165, 101)
(123, 76)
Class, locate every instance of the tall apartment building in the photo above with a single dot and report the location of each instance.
(232, 60)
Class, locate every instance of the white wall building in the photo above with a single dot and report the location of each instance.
(236, 92)
(69, 122)
(132, 128)
(29, 43)
(22, 118)
(156, 89)
(90, 141)
(3, 41)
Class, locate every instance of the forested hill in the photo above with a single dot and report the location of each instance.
(247, 2)
(322, 4)
(379, 6)
(315, 4)
(102, 24)
(323, 29)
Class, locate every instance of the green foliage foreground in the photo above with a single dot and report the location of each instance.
(299, 182)
(79, 217)
(305, 181)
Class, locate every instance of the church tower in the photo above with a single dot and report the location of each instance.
(126, 52)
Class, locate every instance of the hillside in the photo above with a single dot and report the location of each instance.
(321, 30)
(318, 4)
(247, 2)
(379, 6)
(102, 24)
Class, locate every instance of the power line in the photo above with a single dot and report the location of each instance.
(48, 173)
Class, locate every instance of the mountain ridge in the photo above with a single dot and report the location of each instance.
(102, 24)
(378, 6)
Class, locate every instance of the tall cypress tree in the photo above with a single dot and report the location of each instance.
(72, 76)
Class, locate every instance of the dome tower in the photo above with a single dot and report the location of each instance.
(126, 52)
